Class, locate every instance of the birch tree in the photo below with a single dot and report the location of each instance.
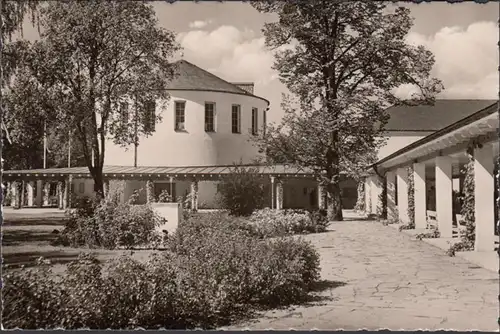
(342, 62)
(100, 70)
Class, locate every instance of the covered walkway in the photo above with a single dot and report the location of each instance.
(435, 163)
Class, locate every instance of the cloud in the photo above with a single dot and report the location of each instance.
(466, 59)
(199, 24)
(233, 54)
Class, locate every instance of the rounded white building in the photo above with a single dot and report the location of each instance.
(207, 122)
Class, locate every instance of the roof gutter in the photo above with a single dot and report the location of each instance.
(464, 121)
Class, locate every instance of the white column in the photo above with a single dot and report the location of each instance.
(484, 202)
(402, 176)
(279, 194)
(194, 195)
(321, 197)
(46, 192)
(272, 192)
(391, 195)
(420, 195)
(376, 191)
(368, 196)
(30, 187)
(444, 199)
(60, 195)
(14, 191)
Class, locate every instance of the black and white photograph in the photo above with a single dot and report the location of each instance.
(250, 165)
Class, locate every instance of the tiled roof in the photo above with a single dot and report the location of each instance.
(157, 171)
(432, 117)
(192, 77)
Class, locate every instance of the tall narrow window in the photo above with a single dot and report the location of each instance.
(124, 112)
(236, 119)
(210, 117)
(180, 107)
(149, 115)
(264, 121)
(255, 120)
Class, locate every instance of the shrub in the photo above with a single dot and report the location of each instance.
(242, 191)
(278, 223)
(110, 225)
(165, 197)
(360, 201)
(210, 275)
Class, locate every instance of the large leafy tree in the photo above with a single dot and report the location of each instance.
(12, 15)
(342, 61)
(98, 70)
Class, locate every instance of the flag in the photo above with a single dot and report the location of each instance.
(7, 135)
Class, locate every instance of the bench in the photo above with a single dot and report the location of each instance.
(459, 230)
(432, 219)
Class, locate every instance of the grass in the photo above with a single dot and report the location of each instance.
(27, 236)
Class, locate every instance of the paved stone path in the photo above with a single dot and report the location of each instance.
(391, 282)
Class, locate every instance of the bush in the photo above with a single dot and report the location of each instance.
(242, 191)
(213, 272)
(110, 225)
(278, 223)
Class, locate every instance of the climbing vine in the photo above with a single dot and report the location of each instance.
(360, 202)
(467, 238)
(382, 200)
(150, 191)
(411, 202)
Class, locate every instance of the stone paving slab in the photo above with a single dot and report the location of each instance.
(390, 281)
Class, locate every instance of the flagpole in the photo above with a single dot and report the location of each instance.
(44, 144)
(69, 149)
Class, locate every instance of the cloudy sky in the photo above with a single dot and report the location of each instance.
(226, 39)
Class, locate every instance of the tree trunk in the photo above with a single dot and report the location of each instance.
(98, 183)
(334, 201)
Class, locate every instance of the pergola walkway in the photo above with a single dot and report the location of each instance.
(390, 281)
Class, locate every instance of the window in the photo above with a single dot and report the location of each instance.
(124, 112)
(264, 120)
(255, 120)
(236, 119)
(180, 107)
(81, 187)
(149, 116)
(210, 117)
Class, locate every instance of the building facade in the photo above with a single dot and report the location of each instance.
(433, 165)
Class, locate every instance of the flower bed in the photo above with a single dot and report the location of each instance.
(213, 271)
(277, 223)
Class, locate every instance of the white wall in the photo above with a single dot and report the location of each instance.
(166, 147)
(396, 140)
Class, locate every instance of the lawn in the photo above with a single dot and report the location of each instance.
(27, 235)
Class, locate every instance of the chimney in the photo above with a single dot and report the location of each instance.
(246, 86)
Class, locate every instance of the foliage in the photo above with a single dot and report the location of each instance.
(266, 273)
(468, 238)
(343, 62)
(110, 224)
(360, 201)
(277, 223)
(165, 197)
(242, 191)
(93, 59)
(432, 234)
(382, 199)
(150, 191)
(213, 272)
(411, 198)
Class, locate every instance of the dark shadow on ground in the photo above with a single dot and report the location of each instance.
(28, 259)
(18, 237)
(319, 292)
(34, 221)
